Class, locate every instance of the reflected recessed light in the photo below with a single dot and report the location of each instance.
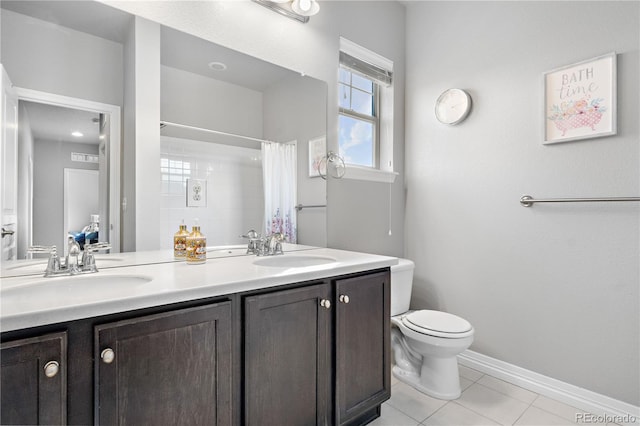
(305, 7)
(217, 66)
(77, 134)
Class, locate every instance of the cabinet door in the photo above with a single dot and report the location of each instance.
(172, 368)
(362, 344)
(287, 352)
(33, 379)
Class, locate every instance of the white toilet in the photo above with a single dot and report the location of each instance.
(425, 343)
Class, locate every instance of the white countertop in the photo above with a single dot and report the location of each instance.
(29, 301)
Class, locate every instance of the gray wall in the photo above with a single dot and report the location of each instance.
(50, 158)
(551, 288)
(41, 56)
(296, 109)
(141, 130)
(361, 213)
(192, 99)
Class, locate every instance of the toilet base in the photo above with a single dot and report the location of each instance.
(439, 378)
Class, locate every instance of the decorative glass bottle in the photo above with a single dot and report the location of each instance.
(196, 247)
(180, 242)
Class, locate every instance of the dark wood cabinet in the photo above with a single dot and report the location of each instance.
(286, 357)
(169, 368)
(318, 354)
(33, 380)
(312, 353)
(362, 345)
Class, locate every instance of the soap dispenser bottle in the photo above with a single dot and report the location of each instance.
(180, 242)
(196, 246)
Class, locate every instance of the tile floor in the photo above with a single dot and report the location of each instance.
(485, 400)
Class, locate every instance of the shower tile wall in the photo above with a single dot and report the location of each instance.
(235, 197)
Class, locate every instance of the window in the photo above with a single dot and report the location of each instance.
(365, 100)
(358, 121)
(174, 175)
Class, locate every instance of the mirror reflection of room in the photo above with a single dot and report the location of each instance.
(220, 110)
(65, 190)
(80, 52)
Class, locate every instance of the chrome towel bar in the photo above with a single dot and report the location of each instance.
(300, 206)
(528, 200)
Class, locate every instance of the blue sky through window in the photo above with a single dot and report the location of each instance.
(356, 136)
(356, 141)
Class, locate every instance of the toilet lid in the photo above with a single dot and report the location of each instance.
(441, 322)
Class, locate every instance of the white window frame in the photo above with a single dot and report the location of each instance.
(384, 171)
(374, 118)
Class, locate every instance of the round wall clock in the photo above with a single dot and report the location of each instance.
(453, 106)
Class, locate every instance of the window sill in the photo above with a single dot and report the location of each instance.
(372, 175)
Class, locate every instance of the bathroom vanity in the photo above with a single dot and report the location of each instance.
(301, 338)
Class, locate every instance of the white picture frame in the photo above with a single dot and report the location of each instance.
(580, 100)
(317, 151)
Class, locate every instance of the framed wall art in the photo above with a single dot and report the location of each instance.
(317, 150)
(580, 100)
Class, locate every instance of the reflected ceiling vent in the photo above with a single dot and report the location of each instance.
(300, 10)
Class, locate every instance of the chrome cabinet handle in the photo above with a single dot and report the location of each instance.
(51, 369)
(6, 232)
(325, 303)
(107, 356)
(344, 298)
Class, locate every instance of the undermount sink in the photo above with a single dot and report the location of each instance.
(294, 261)
(77, 287)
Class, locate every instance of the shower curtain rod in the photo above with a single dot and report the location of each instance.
(217, 132)
(528, 200)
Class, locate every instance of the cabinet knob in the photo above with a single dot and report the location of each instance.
(344, 298)
(325, 303)
(107, 356)
(51, 369)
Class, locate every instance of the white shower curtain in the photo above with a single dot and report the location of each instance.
(279, 171)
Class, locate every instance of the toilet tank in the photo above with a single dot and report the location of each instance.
(401, 284)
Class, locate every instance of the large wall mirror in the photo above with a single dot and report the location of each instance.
(218, 104)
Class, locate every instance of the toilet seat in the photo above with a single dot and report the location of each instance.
(438, 324)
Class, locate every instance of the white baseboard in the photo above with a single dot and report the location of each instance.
(575, 396)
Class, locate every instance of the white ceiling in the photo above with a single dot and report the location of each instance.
(56, 123)
(189, 53)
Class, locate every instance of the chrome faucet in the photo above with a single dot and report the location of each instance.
(271, 245)
(254, 241)
(53, 264)
(71, 266)
(88, 259)
(264, 246)
(73, 250)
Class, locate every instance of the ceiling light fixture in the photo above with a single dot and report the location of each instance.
(305, 7)
(300, 10)
(77, 134)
